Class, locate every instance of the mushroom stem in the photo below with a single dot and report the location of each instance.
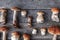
(30, 21)
(54, 37)
(55, 17)
(3, 15)
(14, 38)
(15, 18)
(4, 35)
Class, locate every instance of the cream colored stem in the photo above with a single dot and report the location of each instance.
(14, 38)
(54, 37)
(2, 17)
(4, 36)
(14, 17)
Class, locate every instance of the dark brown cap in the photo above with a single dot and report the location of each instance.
(3, 28)
(3, 10)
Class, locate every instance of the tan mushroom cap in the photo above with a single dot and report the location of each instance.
(43, 28)
(3, 10)
(40, 12)
(4, 28)
(15, 8)
(54, 9)
(54, 30)
(26, 35)
(15, 34)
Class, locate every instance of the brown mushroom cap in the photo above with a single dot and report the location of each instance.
(54, 9)
(4, 28)
(54, 30)
(15, 8)
(26, 35)
(15, 34)
(3, 10)
(40, 12)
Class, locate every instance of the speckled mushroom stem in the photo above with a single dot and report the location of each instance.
(3, 16)
(29, 21)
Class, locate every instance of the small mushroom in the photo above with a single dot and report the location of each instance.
(54, 30)
(40, 18)
(29, 21)
(34, 31)
(26, 36)
(43, 31)
(55, 12)
(3, 15)
(4, 30)
(15, 36)
(23, 13)
(15, 10)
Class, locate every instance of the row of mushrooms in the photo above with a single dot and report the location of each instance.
(54, 30)
(39, 19)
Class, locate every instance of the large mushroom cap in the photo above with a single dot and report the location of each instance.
(26, 35)
(15, 34)
(15, 8)
(40, 12)
(54, 30)
(54, 9)
(3, 10)
(3, 28)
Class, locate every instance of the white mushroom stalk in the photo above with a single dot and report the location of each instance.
(55, 12)
(29, 21)
(23, 13)
(15, 36)
(54, 30)
(4, 31)
(34, 31)
(43, 31)
(3, 15)
(15, 10)
(26, 36)
(40, 18)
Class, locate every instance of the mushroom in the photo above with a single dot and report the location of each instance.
(23, 13)
(34, 31)
(15, 36)
(40, 18)
(29, 21)
(43, 31)
(3, 15)
(15, 10)
(4, 30)
(54, 30)
(26, 36)
(55, 12)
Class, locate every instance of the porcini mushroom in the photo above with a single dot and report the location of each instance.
(55, 12)
(29, 21)
(54, 30)
(23, 13)
(26, 36)
(15, 10)
(3, 15)
(34, 31)
(15, 36)
(4, 30)
(40, 18)
(43, 31)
